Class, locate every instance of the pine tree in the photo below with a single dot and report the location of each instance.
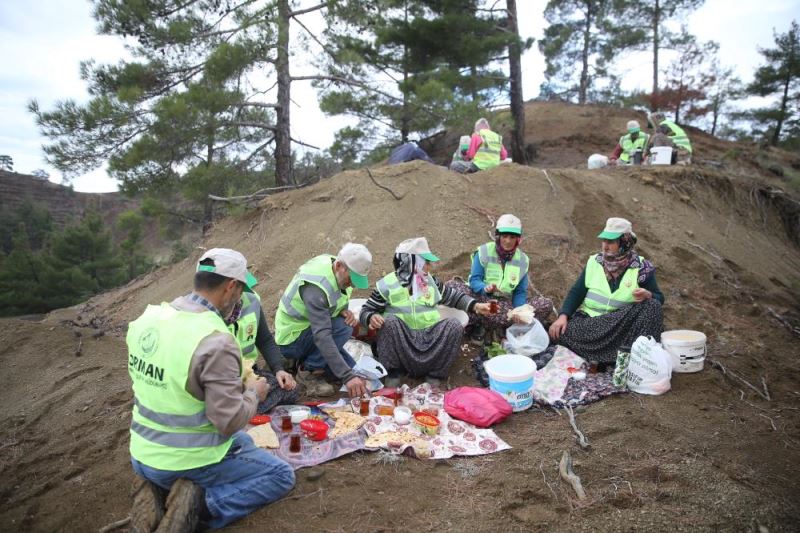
(781, 77)
(642, 25)
(687, 81)
(581, 33)
(725, 88)
(435, 60)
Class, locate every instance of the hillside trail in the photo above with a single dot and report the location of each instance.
(712, 454)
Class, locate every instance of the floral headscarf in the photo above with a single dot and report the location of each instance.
(615, 265)
(410, 270)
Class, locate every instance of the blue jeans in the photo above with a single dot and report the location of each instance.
(304, 349)
(244, 480)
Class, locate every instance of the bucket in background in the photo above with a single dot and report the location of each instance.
(511, 376)
(661, 155)
(687, 349)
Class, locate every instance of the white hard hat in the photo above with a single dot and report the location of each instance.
(509, 224)
(633, 125)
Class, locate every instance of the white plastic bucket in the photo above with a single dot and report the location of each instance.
(687, 349)
(661, 155)
(356, 304)
(511, 375)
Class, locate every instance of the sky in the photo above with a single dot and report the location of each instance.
(42, 43)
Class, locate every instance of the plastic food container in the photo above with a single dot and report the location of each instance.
(428, 424)
(259, 420)
(299, 414)
(314, 429)
(402, 415)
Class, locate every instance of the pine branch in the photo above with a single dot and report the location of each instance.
(317, 7)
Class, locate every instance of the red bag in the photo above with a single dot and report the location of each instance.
(480, 407)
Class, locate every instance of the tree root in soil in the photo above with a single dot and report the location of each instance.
(384, 187)
(568, 475)
(730, 374)
(583, 442)
(788, 325)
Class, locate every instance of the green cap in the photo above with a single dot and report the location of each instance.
(230, 264)
(615, 228)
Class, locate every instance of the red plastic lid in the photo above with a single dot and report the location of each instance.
(260, 419)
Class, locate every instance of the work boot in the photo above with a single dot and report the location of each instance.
(314, 384)
(184, 506)
(148, 506)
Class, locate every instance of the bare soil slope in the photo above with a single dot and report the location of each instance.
(710, 455)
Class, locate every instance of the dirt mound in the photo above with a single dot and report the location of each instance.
(711, 454)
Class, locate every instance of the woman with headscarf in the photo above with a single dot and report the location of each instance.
(500, 272)
(615, 299)
(412, 338)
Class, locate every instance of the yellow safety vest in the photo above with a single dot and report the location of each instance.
(417, 314)
(246, 327)
(599, 299)
(506, 278)
(169, 427)
(629, 147)
(292, 317)
(488, 154)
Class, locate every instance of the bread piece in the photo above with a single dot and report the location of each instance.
(345, 423)
(264, 436)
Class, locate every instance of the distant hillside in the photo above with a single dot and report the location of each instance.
(63, 203)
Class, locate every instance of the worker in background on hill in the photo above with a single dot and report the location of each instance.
(248, 325)
(614, 300)
(409, 151)
(631, 146)
(313, 322)
(500, 272)
(412, 337)
(189, 407)
(668, 133)
(461, 151)
(485, 150)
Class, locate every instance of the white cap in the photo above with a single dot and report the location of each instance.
(416, 246)
(615, 228)
(358, 260)
(228, 263)
(509, 224)
(633, 125)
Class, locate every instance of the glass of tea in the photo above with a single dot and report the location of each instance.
(286, 423)
(364, 408)
(295, 443)
(494, 307)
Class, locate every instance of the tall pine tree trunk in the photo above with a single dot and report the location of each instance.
(283, 141)
(404, 119)
(776, 135)
(656, 21)
(584, 83)
(517, 106)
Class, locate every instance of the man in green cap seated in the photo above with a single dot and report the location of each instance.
(668, 133)
(404, 309)
(313, 323)
(249, 326)
(631, 146)
(190, 407)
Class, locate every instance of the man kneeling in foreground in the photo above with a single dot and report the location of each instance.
(189, 409)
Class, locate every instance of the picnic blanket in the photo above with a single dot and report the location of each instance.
(553, 384)
(455, 437)
(312, 452)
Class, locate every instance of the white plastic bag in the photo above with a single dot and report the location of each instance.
(597, 161)
(650, 367)
(367, 366)
(526, 339)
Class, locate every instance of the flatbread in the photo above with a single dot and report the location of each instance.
(345, 423)
(524, 312)
(264, 436)
(379, 440)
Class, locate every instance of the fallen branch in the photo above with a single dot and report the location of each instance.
(568, 475)
(794, 329)
(552, 186)
(583, 442)
(541, 469)
(261, 193)
(384, 187)
(115, 525)
(730, 373)
(712, 254)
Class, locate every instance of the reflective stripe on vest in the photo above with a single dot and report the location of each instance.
(678, 136)
(488, 154)
(417, 314)
(599, 299)
(629, 146)
(169, 427)
(246, 328)
(178, 440)
(292, 317)
(506, 278)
